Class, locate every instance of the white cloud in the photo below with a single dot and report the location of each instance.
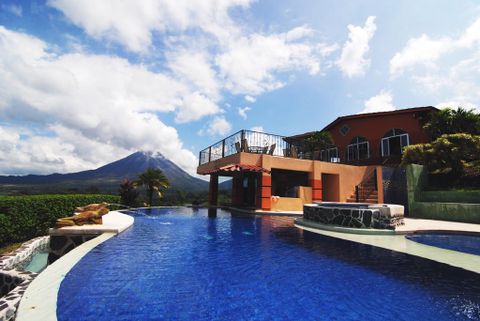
(426, 51)
(381, 102)
(250, 99)
(352, 61)
(14, 9)
(194, 106)
(103, 100)
(243, 111)
(133, 23)
(257, 129)
(113, 104)
(217, 126)
(456, 104)
(422, 50)
(196, 68)
(250, 63)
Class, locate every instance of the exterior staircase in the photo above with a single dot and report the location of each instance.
(372, 197)
(366, 191)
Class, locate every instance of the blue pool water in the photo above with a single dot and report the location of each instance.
(179, 264)
(463, 243)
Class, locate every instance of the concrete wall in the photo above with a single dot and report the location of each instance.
(441, 205)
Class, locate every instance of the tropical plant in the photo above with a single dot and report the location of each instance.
(451, 153)
(128, 193)
(318, 141)
(154, 181)
(451, 121)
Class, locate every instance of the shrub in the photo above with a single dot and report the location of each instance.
(25, 217)
(451, 153)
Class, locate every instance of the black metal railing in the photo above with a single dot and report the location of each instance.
(367, 187)
(248, 141)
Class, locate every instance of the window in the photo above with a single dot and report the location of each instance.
(329, 155)
(358, 149)
(344, 130)
(394, 141)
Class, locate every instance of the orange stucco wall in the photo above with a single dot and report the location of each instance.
(374, 128)
(348, 175)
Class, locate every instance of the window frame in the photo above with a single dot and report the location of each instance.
(385, 141)
(355, 146)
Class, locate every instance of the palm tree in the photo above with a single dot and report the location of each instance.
(451, 121)
(153, 180)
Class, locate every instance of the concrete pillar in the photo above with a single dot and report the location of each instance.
(237, 189)
(266, 192)
(315, 177)
(213, 190)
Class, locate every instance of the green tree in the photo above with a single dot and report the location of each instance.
(153, 180)
(128, 193)
(452, 153)
(318, 141)
(451, 121)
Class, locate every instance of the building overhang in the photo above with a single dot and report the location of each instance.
(229, 169)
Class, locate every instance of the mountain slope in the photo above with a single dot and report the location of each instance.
(108, 177)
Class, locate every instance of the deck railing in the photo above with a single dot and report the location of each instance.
(248, 141)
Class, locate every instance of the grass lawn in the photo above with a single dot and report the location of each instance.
(9, 248)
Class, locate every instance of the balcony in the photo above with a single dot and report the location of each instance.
(248, 141)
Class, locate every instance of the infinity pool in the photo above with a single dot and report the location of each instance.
(179, 264)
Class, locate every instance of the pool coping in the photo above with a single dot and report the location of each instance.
(399, 243)
(39, 301)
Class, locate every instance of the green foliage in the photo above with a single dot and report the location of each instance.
(24, 217)
(154, 181)
(451, 153)
(128, 193)
(450, 121)
(318, 141)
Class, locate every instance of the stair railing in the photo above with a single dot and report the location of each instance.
(368, 185)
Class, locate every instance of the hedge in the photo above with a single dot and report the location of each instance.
(25, 217)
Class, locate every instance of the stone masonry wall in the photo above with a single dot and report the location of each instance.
(350, 217)
(62, 244)
(14, 282)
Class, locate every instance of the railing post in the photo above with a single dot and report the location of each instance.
(223, 148)
(209, 154)
(242, 140)
(357, 196)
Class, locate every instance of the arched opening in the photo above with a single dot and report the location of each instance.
(394, 141)
(358, 148)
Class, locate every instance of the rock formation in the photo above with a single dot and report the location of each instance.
(90, 214)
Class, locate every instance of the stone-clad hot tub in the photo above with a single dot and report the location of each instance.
(356, 215)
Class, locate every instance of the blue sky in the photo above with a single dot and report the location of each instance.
(83, 83)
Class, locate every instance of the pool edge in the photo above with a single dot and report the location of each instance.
(40, 299)
(399, 243)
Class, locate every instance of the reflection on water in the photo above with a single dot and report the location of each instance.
(238, 267)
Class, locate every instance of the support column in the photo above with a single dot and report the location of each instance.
(317, 191)
(237, 189)
(266, 192)
(315, 177)
(213, 190)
